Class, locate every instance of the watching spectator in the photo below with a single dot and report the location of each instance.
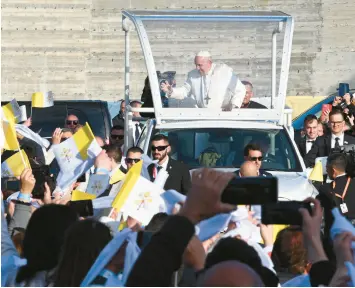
(134, 155)
(117, 136)
(310, 127)
(71, 122)
(118, 120)
(247, 103)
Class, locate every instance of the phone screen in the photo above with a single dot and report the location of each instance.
(283, 213)
(251, 191)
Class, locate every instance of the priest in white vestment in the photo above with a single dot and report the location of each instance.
(211, 85)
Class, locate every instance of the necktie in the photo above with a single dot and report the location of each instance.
(137, 132)
(156, 170)
(310, 141)
(337, 144)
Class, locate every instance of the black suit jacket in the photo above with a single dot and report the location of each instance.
(255, 105)
(301, 144)
(179, 176)
(322, 147)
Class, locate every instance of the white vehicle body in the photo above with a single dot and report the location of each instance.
(194, 126)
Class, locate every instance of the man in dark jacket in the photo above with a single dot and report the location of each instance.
(179, 175)
(247, 103)
(118, 120)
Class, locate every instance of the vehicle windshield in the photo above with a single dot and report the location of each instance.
(217, 147)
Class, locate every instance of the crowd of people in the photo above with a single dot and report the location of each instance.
(51, 239)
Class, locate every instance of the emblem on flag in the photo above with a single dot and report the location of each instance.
(66, 154)
(96, 188)
(143, 201)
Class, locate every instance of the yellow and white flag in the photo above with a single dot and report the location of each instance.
(11, 142)
(117, 176)
(14, 166)
(138, 197)
(42, 99)
(76, 155)
(11, 111)
(77, 195)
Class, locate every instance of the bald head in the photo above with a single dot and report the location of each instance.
(230, 274)
(248, 169)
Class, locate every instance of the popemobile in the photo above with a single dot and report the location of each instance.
(201, 104)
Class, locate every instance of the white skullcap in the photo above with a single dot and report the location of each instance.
(203, 54)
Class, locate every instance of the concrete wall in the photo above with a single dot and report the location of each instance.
(76, 48)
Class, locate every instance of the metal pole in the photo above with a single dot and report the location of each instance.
(126, 79)
(274, 63)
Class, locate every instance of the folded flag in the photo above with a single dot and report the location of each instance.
(117, 176)
(23, 115)
(11, 142)
(132, 252)
(78, 196)
(76, 155)
(14, 166)
(211, 227)
(42, 99)
(28, 133)
(138, 197)
(98, 183)
(11, 111)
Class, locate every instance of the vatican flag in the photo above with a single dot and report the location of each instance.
(117, 176)
(11, 111)
(11, 142)
(77, 195)
(138, 197)
(76, 155)
(14, 166)
(42, 99)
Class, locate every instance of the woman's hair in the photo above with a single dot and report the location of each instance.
(17, 239)
(288, 252)
(83, 243)
(44, 238)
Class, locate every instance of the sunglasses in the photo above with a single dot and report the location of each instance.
(256, 158)
(131, 160)
(159, 148)
(115, 137)
(75, 122)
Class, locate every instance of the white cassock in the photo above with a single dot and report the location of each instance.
(219, 88)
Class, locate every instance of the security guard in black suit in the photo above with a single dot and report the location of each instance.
(340, 192)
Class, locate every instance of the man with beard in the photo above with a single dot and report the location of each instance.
(179, 176)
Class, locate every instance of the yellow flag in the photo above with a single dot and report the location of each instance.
(130, 180)
(118, 176)
(78, 195)
(14, 166)
(11, 110)
(317, 172)
(11, 142)
(42, 99)
(83, 138)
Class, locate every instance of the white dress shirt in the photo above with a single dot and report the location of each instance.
(341, 140)
(309, 144)
(163, 166)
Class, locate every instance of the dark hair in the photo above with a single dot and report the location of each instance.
(83, 243)
(338, 161)
(134, 103)
(157, 222)
(117, 127)
(253, 147)
(158, 137)
(337, 112)
(115, 152)
(43, 239)
(309, 118)
(235, 249)
(244, 82)
(289, 252)
(134, 149)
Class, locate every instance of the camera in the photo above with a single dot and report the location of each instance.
(349, 151)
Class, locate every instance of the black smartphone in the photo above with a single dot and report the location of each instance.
(42, 176)
(143, 238)
(13, 185)
(284, 212)
(82, 178)
(251, 190)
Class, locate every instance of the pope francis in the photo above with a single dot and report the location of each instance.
(210, 84)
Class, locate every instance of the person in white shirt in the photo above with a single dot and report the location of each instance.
(327, 143)
(210, 84)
